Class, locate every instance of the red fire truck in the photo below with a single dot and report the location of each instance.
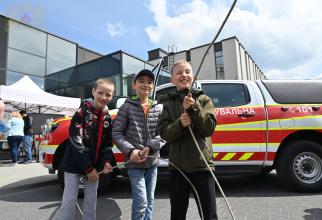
(262, 125)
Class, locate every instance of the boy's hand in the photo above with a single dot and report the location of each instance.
(135, 156)
(93, 175)
(188, 101)
(144, 154)
(107, 168)
(185, 119)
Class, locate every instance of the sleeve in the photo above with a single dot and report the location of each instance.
(118, 133)
(76, 140)
(27, 124)
(170, 130)
(8, 125)
(202, 116)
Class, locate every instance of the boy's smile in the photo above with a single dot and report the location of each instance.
(103, 94)
(182, 76)
(143, 86)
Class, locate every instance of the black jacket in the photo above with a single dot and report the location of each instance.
(90, 140)
(27, 128)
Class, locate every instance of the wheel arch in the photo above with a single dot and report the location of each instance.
(310, 135)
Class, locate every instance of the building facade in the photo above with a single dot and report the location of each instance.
(25, 50)
(226, 59)
(60, 66)
(119, 66)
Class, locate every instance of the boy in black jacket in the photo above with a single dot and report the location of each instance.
(89, 151)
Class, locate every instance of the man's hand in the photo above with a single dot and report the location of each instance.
(107, 168)
(185, 119)
(135, 155)
(188, 101)
(93, 175)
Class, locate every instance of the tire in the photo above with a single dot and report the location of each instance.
(266, 170)
(104, 181)
(299, 166)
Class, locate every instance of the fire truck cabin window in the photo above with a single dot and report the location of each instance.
(227, 94)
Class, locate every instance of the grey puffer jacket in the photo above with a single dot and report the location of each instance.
(133, 130)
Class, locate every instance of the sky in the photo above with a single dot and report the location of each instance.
(282, 37)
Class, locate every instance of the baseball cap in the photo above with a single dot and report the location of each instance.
(145, 72)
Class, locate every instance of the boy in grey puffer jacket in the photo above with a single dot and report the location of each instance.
(135, 133)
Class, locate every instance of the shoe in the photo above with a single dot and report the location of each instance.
(21, 162)
(28, 161)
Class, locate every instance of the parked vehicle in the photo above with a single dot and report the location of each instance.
(262, 125)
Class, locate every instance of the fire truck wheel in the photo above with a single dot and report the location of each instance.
(300, 166)
(104, 181)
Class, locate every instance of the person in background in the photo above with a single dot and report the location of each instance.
(27, 139)
(15, 135)
(2, 108)
(180, 111)
(135, 133)
(89, 150)
(2, 125)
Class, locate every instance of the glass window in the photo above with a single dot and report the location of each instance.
(226, 94)
(117, 82)
(51, 84)
(163, 94)
(27, 39)
(127, 87)
(164, 78)
(219, 65)
(108, 66)
(25, 63)
(13, 77)
(61, 54)
(131, 65)
(87, 72)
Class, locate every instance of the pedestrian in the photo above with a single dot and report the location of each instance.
(180, 111)
(89, 150)
(135, 133)
(15, 135)
(27, 138)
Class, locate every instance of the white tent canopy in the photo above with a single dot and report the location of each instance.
(25, 94)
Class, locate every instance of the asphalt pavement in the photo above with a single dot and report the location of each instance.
(23, 175)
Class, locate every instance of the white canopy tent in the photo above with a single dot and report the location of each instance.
(26, 95)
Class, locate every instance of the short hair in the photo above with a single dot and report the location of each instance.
(103, 80)
(16, 115)
(179, 62)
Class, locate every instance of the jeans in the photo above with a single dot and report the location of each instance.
(14, 142)
(179, 190)
(143, 182)
(67, 209)
(27, 146)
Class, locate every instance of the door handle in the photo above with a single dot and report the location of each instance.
(246, 115)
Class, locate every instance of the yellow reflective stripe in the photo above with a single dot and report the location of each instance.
(239, 129)
(215, 155)
(63, 119)
(228, 156)
(246, 156)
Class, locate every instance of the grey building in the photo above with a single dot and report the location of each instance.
(61, 66)
(120, 66)
(25, 50)
(226, 59)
